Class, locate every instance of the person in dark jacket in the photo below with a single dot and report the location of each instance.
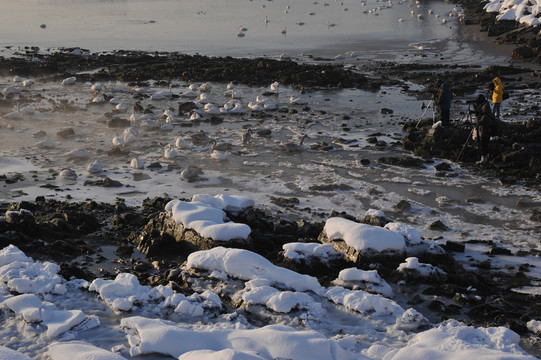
(485, 124)
(443, 100)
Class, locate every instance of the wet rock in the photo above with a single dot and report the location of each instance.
(454, 246)
(523, 53)
(118, 123)
(264, 132)
(14, 178)
(403, 205)
(107, 182)
(186, 107)
(403, 161)
(81, 219)
(443, 166)
(375, 218)
(165, 237)
(284, 202)
(71, 271)
(364, 162)
(536, 215)
(66, 133)
(125, 251)
(40, 134)
(389, 257)
(438, 225)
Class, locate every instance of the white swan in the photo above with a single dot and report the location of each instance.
(158, 96)
(121, 107)
(237, 109)
(94, 167)
(180, 143)
(298, 100)
(117, 140)
(265, 102)
(275, 87)
(78, 154)
(195, 116)
(170, 153)
(130, 134)
(206, 87)
(191, 173)
(100, 99)
(218, 155)
(211, 109)
(11, 90)
(233, 94)
(136, 163)
(167, 126)
(69, 81)
(255, 107)
(149, 122)
(68, 174)
(189, 94)
(200, 138)
(14, 115)
(97, 87)
(204, 99)
(220, 147)
(269, 105)
(28, 82)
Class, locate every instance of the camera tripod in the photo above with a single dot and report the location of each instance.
(467, 118)
(424, 112)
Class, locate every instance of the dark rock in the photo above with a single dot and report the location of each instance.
(443, 166)
(403, 205)
(65, 133)
(523, 53)
(264, 132)
(454, 246)
(107, 182)
(438, 225)
(403, 161)
(118, 123)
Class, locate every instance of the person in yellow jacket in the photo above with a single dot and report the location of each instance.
(497, 97)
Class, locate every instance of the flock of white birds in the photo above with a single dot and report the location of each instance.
(153, 121)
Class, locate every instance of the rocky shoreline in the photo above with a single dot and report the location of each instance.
(527, 39)
(73, 234)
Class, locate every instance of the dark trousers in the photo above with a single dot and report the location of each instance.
(483, 145)
(444, 116)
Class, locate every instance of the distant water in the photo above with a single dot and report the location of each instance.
(210, 27)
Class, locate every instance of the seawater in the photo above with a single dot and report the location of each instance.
(210, 27)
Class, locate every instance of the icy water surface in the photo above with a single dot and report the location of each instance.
(345, 129)
(213, 27)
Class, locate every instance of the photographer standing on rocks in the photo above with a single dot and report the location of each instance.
(497, 97)
(485, 127)
(443, 100)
